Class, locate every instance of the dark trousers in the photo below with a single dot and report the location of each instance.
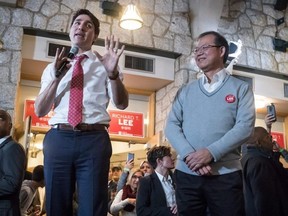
(221, 194)
(76, 157)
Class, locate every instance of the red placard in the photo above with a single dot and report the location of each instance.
(126, 123)
(35, 121)
(279, 138)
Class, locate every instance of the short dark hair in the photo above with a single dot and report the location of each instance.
(95, 21)
(116, 168)
(38, 173)
(6, 117)
(219, 41)
(157, 152)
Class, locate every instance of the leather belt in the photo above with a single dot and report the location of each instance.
(81, 127)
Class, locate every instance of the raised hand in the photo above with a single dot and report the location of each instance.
(269, 119)
(59, 60)
(111, 56)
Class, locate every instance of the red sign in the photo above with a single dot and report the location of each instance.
(279, 138)
(126, 123)
(35, 121)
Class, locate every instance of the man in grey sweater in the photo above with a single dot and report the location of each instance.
(209, 120)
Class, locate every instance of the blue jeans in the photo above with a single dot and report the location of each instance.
(81, 159)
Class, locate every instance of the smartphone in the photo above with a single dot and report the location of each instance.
(272, 111)
(130, 156)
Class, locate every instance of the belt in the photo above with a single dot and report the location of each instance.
(81, 127)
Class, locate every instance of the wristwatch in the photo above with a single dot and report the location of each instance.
(115, 76)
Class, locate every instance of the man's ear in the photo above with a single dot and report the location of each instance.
(159, 161)
(223, 50)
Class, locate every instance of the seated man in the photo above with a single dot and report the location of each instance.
(265, 179)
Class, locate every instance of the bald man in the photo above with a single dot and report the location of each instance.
(12, 166)
(265, 179)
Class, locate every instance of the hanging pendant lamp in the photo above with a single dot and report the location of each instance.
(131, 19)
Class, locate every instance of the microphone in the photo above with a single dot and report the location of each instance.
(73, 51)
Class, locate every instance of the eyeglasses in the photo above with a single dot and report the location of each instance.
(145, 167)
(203, 48)
(135, 177)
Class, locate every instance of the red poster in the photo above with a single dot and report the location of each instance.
(35, 121)
(279, 138)
(126, 123)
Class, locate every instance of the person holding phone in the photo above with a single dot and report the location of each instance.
(125, 199)
(145, 167)
(265, 179)
(270, 118)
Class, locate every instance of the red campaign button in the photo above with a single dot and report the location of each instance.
(230, 98)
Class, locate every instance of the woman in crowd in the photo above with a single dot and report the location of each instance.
(125, 199)
(145, 167)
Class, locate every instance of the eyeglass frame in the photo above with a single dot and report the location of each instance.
(136, 177)
(203, 48)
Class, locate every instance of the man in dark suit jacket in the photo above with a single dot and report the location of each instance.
(265, 178)
(12, 166)
(156, 193)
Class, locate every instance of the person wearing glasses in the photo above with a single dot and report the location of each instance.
(125, 199)
(156, 193)
(209, 120)
(265, 178)
(145, 167)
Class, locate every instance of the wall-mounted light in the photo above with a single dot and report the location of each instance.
(1, 46)
(235, 49)
(111, 8)
(131, 18)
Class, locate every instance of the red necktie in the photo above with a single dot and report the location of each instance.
(76, 93)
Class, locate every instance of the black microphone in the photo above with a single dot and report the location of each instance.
(73, 51)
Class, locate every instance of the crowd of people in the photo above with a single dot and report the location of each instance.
(209, 121)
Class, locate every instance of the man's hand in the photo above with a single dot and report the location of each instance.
(199, 161)
(173, 209)
(59, 60)
(111, 57)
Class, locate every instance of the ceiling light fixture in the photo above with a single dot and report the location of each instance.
(131, 18)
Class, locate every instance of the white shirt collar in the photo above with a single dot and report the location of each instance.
(216, 81)
(3, 139)
(218, 77)
(163, 178)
